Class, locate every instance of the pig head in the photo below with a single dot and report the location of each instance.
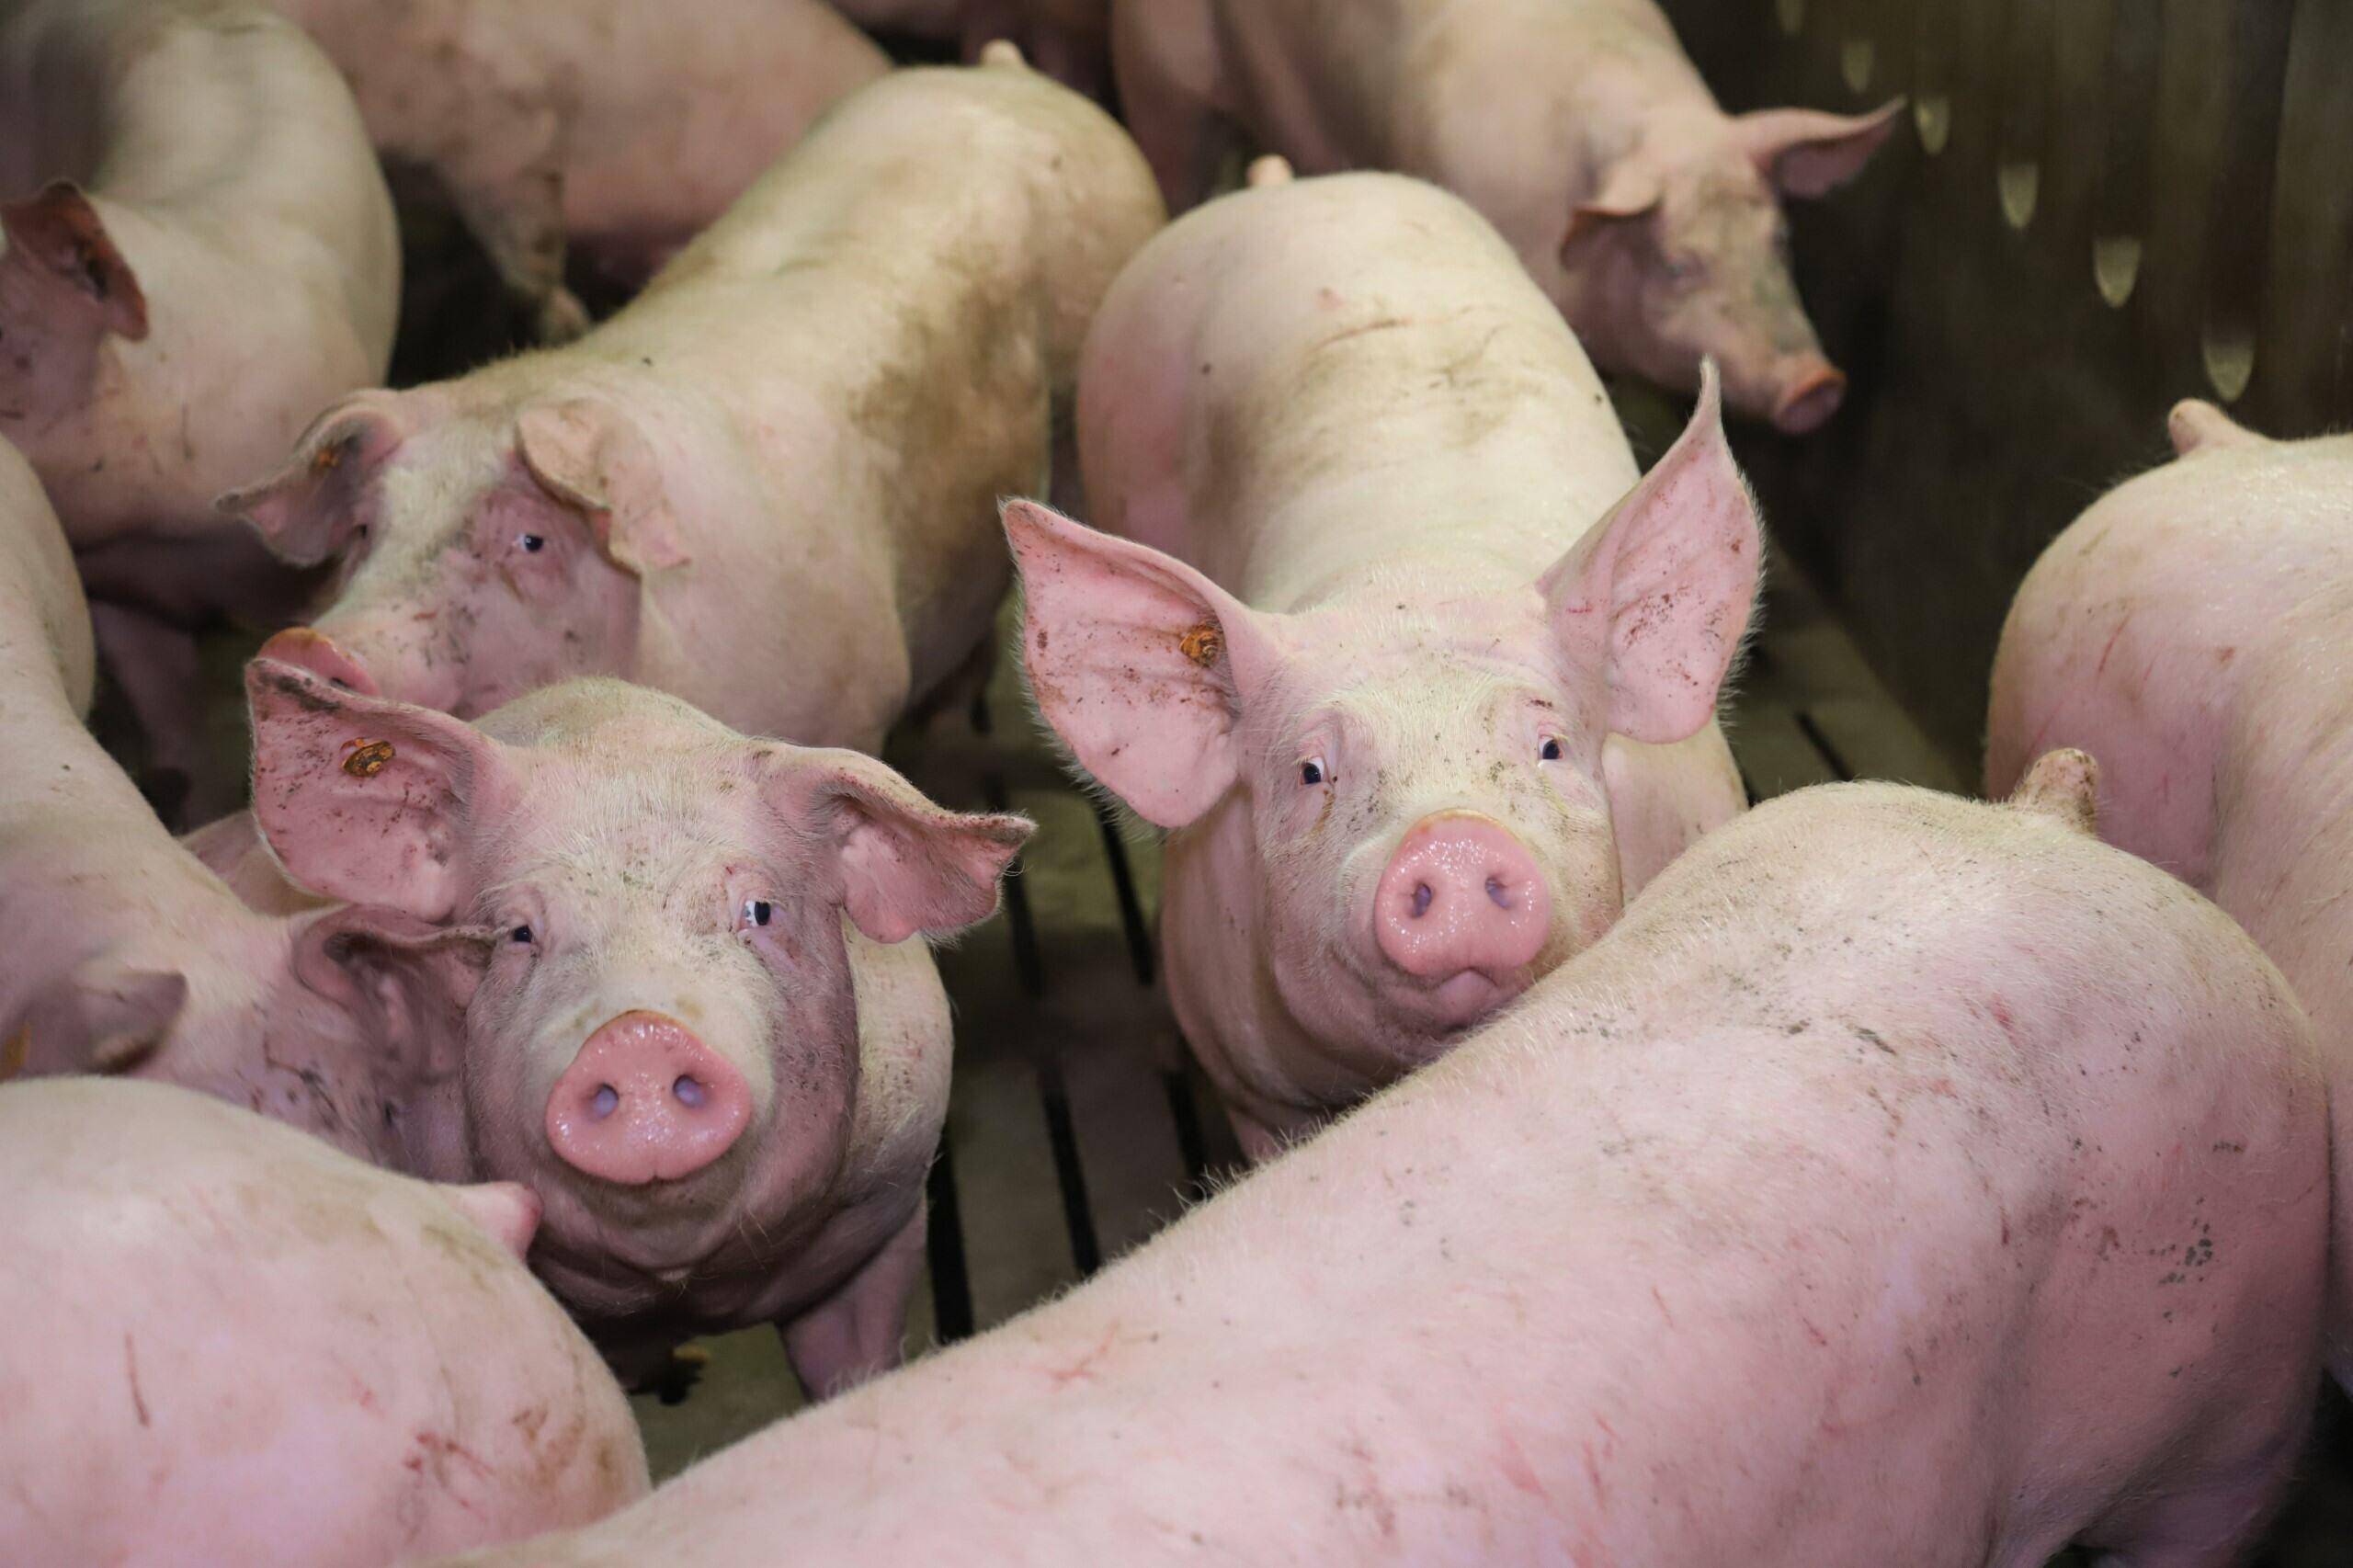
(1681, 252)
(478, 555)
(664, 1040)
(1416, 788)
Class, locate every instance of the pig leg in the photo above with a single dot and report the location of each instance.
(506, 181)
(1167, 69)
(156, 664)
(860, 1330)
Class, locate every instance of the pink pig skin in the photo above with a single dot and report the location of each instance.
(227, 1343)
(125, 954)
(223, 264)
(1394, 532)
(1578, 127)
(2195, 630)
(769, 486)
(1068, 40)
(622, 126)
(1936, 1202)
(714, 932)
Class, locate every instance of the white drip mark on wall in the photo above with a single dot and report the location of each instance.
(2115, 267)
(2020, 184)
(1933, 115)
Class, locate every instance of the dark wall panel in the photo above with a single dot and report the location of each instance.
(2100, 207)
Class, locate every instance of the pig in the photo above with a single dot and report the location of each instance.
(700, 1029)
(768, 485)
(1422, 680)
(228, 1343)
(1940, 1200)
(1068, 40)
(1648, 215)
(198, 252)
(2196, 625)
(620, 128)
(126, 955)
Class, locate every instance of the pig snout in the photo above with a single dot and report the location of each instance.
(645, 1101)
(316, 651)
(1463, 904)
(1807, 392)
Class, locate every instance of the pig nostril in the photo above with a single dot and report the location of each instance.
(1421, 899)
(691, 1093)
(1496, 893)
(606, 1101)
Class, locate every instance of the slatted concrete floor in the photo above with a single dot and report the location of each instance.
(1078, 1126)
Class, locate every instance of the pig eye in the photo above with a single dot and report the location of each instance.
(520, 933)
(531, 544)
(1549, 751)
(758, 911)
(1311, 772)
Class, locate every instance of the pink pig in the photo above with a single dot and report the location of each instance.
(621, 127)
(698, 1027)
(126, 955)
(769, 486)
(1423, 680)
(1578, 127)
(223, 1342)
(1940, 1201)
(2196, 627)
(198, 252)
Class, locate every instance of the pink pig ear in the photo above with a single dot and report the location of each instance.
(1663, 587)
(366, 799)
(589, 455)
(907, 864)
(62, 232)
(309, 510)
(104, 1016)
(508, 1211)
(404, 981)
(1809, 152)
(1630, 191)
(1140, 662)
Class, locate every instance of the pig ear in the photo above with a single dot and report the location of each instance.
(309, 509)
(1661, 589)
(1808, 153)
(508, 1211)
(1140, 662)
(1630, 191)
(590, 455)
(407, 982)
(63, 233)
(2195, 425)
(366, 799)
(907, 864)
(103, 1017)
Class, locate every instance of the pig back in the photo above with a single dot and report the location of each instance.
(356, 1331)
(45, 646)
(2030, 1126)
(948, 181)
(1298, 380)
